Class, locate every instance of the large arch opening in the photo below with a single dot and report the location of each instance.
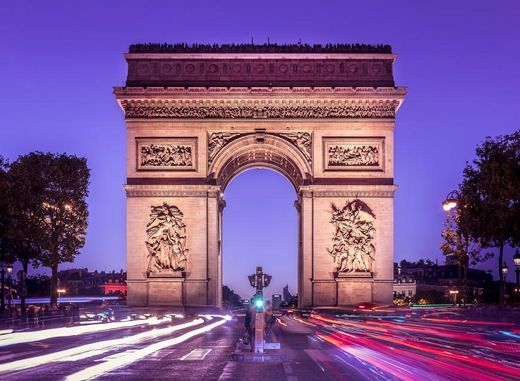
(276, 161)
(260, 228)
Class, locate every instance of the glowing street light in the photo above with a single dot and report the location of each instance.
(505, 269)
(454, 294)
(516, 259)
(451, 201)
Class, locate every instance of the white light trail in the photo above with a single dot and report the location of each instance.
(93, 349)
(27, 337)
(129, 357)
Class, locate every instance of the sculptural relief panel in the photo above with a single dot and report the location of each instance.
(166, 154)
(166, 240)
(353, 154)
(353, 249)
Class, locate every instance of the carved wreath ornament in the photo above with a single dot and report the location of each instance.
(352, 244)
(166, 241)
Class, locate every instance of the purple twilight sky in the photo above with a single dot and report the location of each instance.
(459, 60)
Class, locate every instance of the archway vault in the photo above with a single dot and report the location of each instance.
(261, 149)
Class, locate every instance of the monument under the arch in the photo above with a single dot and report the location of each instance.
(323, 116)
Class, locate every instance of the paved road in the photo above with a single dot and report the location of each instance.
(441, 345)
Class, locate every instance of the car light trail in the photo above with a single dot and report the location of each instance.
(27, 337)
(419, 345)
(93, 349)
(129, 357)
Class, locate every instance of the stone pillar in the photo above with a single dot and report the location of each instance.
(214, 263)
(306, 250)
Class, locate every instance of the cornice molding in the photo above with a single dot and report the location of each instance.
(370, 191)
(171, 191)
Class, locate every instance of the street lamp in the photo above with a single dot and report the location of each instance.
(2, 293)
(516, 259)
(9, 284)
(454, 294)
(451, 201)
(504, 269)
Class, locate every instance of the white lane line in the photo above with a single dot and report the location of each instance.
(128, 358)
(89, 350)
(196, 355)
(27, 337)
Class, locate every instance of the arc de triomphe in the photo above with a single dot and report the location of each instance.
(196, 116)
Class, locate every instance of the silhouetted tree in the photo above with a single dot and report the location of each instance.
(230, 297)
(51, 191)
(458, 242)
(25, 226)
(491, 192)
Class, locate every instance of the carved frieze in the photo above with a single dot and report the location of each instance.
(259, 109)
(166, 154)
(166, 240)
(353, 247)
(353, 154)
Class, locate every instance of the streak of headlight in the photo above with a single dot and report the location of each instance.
(305, 322)
(26, 337)
(133, 356)
(92, 349)
(510, 334)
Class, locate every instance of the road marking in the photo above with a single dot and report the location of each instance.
(227, 372)
(129, 358)
(196, 355)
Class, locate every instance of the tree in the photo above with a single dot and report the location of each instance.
(51, 191)
(458, 242)
(491, 192)
(6, 256)
(4, 209)
(230, 298)
(24, 195)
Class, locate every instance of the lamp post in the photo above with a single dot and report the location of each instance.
(451, 202)
(504, 272)
(516, 259)
(2, 293)
(9, 285)
(454, 294)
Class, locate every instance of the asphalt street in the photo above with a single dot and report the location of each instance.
(438, 345)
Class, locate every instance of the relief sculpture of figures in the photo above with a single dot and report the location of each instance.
(166, 155)
(166, 241)
(352, 244)
(303, 141)
(353, 155)
(217, 141)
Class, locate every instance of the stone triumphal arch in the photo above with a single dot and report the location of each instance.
(196, 116)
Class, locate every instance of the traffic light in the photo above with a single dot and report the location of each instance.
(258, 302)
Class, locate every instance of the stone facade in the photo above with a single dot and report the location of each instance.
(329, 135)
